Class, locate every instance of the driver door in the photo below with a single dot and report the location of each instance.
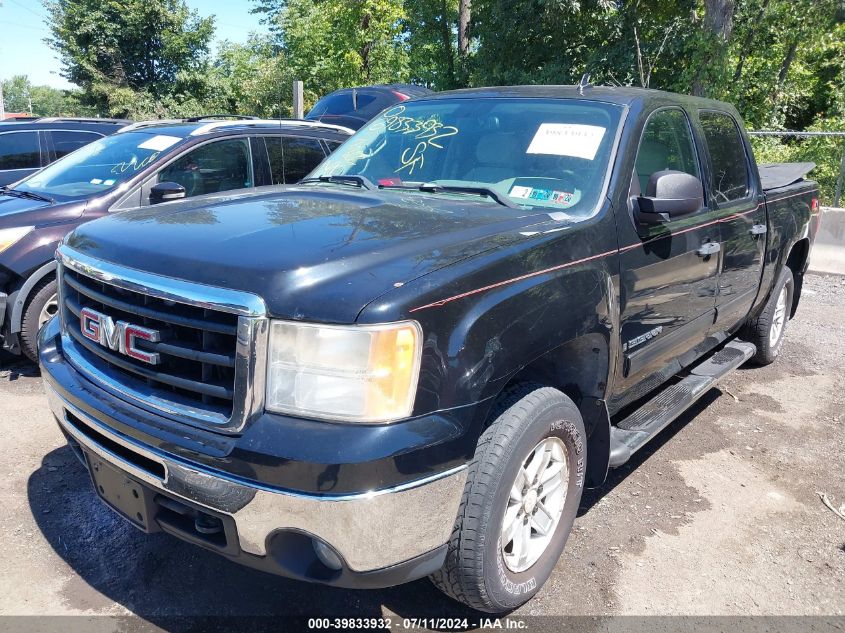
(668, 277)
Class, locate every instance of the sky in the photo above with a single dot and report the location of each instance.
(23, 27)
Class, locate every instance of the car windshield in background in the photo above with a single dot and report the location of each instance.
(99, 166)
(548, 153)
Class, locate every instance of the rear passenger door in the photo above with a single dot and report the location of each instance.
(20, 155)
(742, 216)
(668, 280)
(292, 157)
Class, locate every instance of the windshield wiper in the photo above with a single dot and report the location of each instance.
(481, 191)
(361, 181)
(26, 194)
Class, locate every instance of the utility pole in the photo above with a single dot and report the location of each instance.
(298, 100)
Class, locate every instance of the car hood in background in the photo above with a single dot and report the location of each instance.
(16, 211)
(317, 253)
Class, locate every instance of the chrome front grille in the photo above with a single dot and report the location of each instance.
(210, 348)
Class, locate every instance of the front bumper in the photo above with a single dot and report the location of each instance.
(383, 537)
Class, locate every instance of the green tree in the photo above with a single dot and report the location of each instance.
(130, 55)
(251, 78)
(431, 31)
(16, 93)
(331, 44)
(19, 94)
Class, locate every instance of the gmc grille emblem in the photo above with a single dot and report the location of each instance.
(118, 336)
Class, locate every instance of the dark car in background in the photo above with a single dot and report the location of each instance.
(144, 164)
(352, 107)
(28, 145)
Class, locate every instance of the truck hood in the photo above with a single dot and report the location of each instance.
(27, 212)
(315, 253)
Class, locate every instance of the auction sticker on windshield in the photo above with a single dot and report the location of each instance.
(567, 139)
(159, 143)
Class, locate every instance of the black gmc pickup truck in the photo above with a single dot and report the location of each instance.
(412, 362)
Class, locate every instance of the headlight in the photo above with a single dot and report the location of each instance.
(362, 373)
(10, 236)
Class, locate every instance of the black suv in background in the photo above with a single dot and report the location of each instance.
(27, 146)
(352, 107)
(145, 163)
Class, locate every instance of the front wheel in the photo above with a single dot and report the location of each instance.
(43, 304)
(520, 500)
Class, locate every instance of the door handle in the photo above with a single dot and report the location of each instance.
(759, 229)
(709, 248)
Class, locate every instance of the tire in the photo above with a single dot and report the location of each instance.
(42, 300)
(768, 329)
(479, 570)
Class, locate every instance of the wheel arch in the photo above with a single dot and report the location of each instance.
(19, 298)
(579, 369)
(797, 262)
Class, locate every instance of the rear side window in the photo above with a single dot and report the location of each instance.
(729, 166)
(66, 141)
(333, 145)
(301, 155)
(666, 144)
(341, 104)
(19, 150)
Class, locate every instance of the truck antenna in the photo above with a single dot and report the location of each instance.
(584, 83)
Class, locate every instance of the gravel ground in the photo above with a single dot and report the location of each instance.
(720, 516)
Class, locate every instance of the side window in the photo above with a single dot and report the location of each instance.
(65, 141)
(729, 166)
(19, 150)
(275, 156)
(301, 156)
(666, 144)
(212, 168)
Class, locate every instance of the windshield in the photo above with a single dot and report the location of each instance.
(547, 153)
(99, 166)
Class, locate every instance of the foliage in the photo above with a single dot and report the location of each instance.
(332, 44)
(19, 93)
(251, 78)
(781, 62)
(130, 56)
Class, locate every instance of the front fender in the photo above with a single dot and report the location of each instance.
(486, 319)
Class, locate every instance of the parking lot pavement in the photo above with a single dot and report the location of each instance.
(721, 516)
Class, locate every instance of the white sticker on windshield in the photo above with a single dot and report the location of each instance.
(567, 139)
(159, 143)
(96, 181)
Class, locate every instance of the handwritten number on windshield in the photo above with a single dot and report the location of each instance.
(133, 164)
(429, 131)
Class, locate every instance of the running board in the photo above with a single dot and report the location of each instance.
(632, 433)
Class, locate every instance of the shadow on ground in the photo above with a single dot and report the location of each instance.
(161, 578)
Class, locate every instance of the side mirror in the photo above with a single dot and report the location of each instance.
(164, 191)
(669, 195)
